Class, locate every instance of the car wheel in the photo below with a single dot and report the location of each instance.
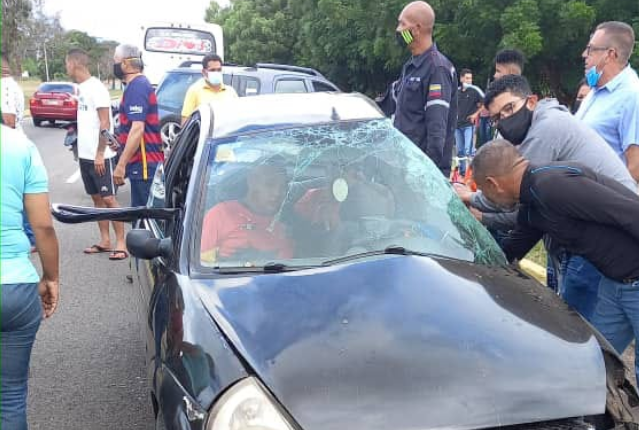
(116, 122)
(170, 127)
(37, 122)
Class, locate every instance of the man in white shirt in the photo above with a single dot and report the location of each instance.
(12, 98)
(96, 159)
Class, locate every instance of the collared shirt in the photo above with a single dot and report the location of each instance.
(613, 111)
(201, 92)
(587, 214)
(426, 109)
(22, 173)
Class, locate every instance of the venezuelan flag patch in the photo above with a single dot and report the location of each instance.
(435, 90)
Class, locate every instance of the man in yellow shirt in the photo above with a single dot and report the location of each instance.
(210, 87)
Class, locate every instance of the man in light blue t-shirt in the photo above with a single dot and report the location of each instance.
(612, 107)
(25, 295)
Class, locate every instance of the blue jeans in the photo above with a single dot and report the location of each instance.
(21, 316)
(464, 142)
(483, 131)
(617, 314)
(140, 190)
(579, 284)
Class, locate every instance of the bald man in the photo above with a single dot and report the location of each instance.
(246, 229)
(587, 214)
(426, 92)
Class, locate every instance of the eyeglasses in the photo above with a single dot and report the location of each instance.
(590, 49)
(505, 112)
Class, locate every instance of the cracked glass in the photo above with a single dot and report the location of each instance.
(302, 196)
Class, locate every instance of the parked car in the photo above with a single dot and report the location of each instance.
(263, 78)
(393, 309)
(54, 101)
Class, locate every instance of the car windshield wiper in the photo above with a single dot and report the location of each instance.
(389, 250)
(271, 267)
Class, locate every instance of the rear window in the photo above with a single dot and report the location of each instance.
(179, 41)
(171, 92)
(56, 88)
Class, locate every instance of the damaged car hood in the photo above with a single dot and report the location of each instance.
(411, 343)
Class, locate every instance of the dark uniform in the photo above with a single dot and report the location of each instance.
(427, 105)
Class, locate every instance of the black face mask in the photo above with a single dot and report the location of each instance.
(576, 106)
(118, 72)
(404, 38)
(515, 128)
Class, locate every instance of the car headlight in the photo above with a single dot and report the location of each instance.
(246, 406)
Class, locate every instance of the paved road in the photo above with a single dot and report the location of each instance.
(87, 369)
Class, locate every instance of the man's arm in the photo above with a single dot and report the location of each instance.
(438, 99)
(519, 242)
(190, 104)
(632, 161)
(105, 124)
(38, 212)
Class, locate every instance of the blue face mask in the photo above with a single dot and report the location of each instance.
(593, 76)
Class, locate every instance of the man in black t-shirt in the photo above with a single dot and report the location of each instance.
(469, 102)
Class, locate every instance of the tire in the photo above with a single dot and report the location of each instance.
(37, 122)
(52, 122)
(170, 127)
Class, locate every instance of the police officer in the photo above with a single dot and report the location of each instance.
(427, 90)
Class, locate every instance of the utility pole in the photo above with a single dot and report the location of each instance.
(46, 60)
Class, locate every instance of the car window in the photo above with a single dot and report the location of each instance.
(319, 86)
(290, 86)
(246, 86)
(307, 195)
(56, 88)
(173, 89)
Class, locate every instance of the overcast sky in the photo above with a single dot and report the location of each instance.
(119, 20)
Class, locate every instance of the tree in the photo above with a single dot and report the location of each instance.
(15, 16)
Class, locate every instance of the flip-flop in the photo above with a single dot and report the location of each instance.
(96, 249)
(118, 255)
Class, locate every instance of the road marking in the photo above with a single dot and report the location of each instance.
(73, 178)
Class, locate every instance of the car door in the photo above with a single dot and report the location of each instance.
(157, 277)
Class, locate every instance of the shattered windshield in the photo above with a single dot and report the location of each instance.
(311, 194)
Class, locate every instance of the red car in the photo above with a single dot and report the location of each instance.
(54, 101)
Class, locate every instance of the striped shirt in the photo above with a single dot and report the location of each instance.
(139, 103)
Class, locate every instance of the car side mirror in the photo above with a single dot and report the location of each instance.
(141, 243)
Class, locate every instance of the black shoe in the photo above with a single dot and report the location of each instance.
(129, 279)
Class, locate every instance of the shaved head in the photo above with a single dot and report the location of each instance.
(419, 13)
(495, 158)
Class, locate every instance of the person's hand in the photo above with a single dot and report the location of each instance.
(118, 175)
(49, 294)
(476, 213)
(99, 164)
(463, 192)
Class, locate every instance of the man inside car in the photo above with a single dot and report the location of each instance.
(246, 229)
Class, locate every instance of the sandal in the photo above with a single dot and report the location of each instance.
(118, 255)
(96, 249)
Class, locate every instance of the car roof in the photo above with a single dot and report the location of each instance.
(250, 70)
(246, 114)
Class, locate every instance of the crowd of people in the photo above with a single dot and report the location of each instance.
(567, 177)
(542, 172)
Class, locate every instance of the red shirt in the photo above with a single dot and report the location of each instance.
(231, 227)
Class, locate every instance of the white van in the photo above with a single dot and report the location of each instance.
(168, 45)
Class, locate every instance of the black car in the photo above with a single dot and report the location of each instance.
(263, 78)
(363, 296)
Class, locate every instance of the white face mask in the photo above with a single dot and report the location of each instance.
(214, 78)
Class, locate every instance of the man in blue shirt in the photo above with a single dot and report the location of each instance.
(612, 107)
(25, 295)
(426, 109)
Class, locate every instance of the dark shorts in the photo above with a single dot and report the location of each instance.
(94, 183)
